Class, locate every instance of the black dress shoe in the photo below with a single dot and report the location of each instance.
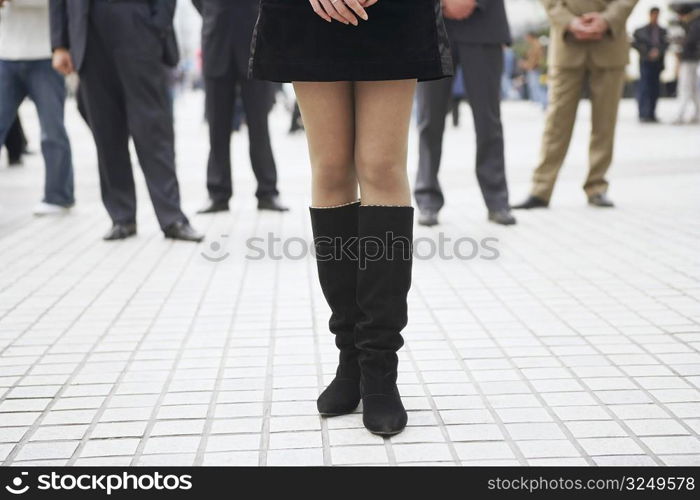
(530, 203)
(214, 207)
(182, 231)
(120, 231)
(502, 217)
(600, 200)
(428, 218)
(272, 203)
(16, 162)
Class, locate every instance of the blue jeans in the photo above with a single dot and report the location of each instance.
(38, 81)
(538, 92)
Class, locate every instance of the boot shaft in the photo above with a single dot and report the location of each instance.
(335, 233)
(383, 283)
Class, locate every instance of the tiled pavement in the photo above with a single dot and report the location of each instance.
(578, 345)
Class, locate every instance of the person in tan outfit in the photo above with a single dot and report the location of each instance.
(589, 43)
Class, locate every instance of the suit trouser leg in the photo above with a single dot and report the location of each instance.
(258, 98)
(565, 93)
(103, 101)
(606, 86)
(655, 83)
(219, 106)
(150, 120)
(432, 104)
(15, 142)
(644, 91)
(482, 66)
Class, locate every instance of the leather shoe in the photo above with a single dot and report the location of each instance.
(214, 207)
(428, 218)
(181, 230)
(120, 231)
(502, 217)
(600, 200)
(272, 203)
(531, 202)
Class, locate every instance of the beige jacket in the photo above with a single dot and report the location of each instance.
(610, 52)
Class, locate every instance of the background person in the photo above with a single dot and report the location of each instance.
(532, 64)
(120, 51)
(25, 71)
(588, 44)
(477, 32)
(227, 30)
(688, 91)
(651, 41)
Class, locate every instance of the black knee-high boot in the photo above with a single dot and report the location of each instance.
(383, 282)
(336, 244)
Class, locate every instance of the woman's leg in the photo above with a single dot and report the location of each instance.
(385, 228)
(696, 93)
(328, 113)
(327, 109)
(382, 120)
(684, 91)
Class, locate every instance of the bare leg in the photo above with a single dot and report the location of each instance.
(382, 120)
(327, 109)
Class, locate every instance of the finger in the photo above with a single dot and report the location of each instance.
(357, 8)
(330, 10)
(319, 10)
(345, 12)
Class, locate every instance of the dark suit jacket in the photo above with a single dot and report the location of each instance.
(643, 42)
(487, 25)
(227, 30)
(69, 27)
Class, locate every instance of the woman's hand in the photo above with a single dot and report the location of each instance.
(344, 11)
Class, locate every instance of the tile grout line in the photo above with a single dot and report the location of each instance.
(269, 376)
(426, 391)
(211, 410)
(482, 395)
(37, 422)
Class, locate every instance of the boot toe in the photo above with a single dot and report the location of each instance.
(341, 397)
(383, 415)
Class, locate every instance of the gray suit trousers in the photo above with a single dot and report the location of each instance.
(482, 66)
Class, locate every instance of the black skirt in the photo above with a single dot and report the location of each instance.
(403, 39)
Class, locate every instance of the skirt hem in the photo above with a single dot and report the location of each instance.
(285, 72)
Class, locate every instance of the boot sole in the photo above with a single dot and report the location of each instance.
(386, 434)
(339, 414)
(330, 415)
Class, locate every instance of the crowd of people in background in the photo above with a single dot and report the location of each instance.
(125, 97)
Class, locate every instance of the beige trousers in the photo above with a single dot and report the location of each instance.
(566, 85)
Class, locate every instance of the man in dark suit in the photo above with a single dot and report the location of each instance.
(652, 43)
(120, 49)
(478, 30)
(227, 31)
